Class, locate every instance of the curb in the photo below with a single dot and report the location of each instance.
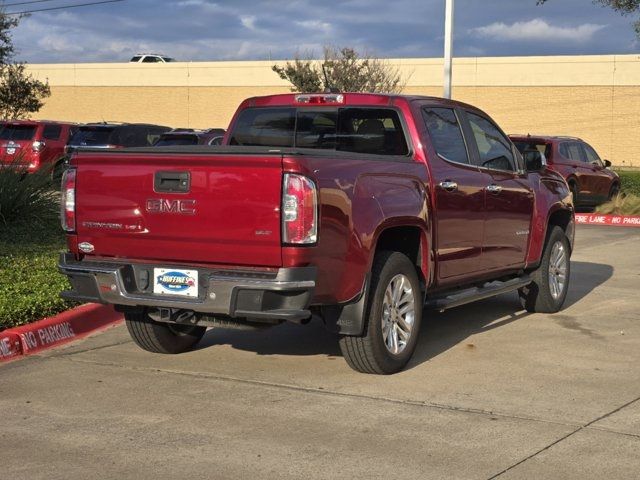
(51, 332)
(610, 220)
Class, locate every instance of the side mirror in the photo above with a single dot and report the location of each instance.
(607, 163)
(533, 160)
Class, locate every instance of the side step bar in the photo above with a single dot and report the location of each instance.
(445, 302)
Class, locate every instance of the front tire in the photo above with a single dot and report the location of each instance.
(548, 290)
(392, 322)
(159, 337)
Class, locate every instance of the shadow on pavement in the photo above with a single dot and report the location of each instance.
(585, 277)
(439, 331)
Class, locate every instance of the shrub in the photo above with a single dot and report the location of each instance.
(26, 197)
(621, 205)
(629, 182)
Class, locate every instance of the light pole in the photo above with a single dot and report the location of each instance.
(448, 44)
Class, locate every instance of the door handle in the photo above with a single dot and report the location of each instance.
(494, 188)
(448, 185)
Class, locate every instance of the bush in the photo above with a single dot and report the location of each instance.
(30, 243)
(26, 197)
(344, 69)
(621, 205)
(629, 182)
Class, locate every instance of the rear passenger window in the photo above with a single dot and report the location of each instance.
(572, 151)
(494, 148)
(446, 136)
(51, 132)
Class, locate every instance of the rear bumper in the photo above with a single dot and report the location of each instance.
(284, 294)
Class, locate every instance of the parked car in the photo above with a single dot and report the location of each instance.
(589, 178)
(150, 58)
(34, 144)
(115, 135)
(355, 209)
(184, 136)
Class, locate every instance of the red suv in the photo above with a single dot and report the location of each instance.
(589, 178)
(33, 143)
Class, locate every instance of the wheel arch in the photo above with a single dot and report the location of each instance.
(409, 239)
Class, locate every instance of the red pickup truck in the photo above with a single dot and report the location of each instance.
(355, 209)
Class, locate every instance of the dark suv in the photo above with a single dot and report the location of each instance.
(33, 144)
(187, 136)
(115, 135)
(589, 178)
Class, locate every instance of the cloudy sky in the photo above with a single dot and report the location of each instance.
(270, 29)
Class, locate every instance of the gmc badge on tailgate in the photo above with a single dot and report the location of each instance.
(164, 205)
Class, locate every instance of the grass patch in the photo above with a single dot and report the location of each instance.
(30, 284)
(30, 242)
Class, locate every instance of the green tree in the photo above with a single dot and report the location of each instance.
(20, 93)
(625, 7)
(343, 69)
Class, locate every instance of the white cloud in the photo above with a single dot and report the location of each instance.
(538, 29)
(248, 21)
(317, 25)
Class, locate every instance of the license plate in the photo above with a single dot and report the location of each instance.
(173, 281)
(11, 150)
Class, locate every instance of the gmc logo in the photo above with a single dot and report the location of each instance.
(163, 205)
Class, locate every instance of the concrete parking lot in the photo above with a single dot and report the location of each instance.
(491, 392)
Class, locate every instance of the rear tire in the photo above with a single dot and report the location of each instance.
(574, 192)
(392, 321)
(159, 337)
(548, 290)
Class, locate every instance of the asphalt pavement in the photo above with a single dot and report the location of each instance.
(492, 392)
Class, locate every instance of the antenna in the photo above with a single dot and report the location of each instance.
(327, 85)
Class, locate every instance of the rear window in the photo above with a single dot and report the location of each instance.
(166, 141)
(525, 147)
(362, 130)
(18, 132)
(265, 127)
(92, 136)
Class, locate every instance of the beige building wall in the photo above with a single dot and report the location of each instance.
(596, 98)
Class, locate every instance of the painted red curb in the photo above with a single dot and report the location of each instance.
(57, 330)
(613, 220)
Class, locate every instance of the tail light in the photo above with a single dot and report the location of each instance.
(299, 210)
(34, 164)
(37, 146)
(68, 200)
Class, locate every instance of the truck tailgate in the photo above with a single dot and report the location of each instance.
(229, 214)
